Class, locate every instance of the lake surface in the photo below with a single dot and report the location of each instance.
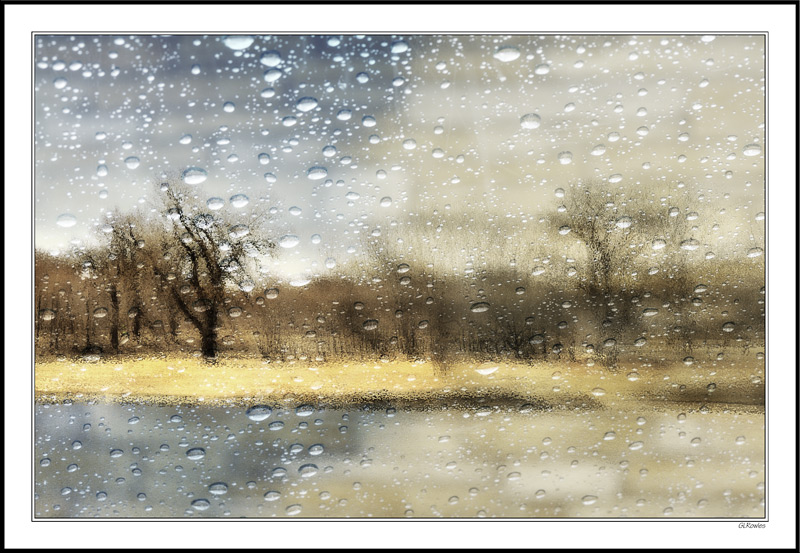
(636, 460)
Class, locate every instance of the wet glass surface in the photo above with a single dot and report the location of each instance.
(642, 460)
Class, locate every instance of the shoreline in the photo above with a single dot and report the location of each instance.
(396, 384)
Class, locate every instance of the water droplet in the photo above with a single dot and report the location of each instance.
(542, 69)
(215, 203)
(344, 115)
(589, 499)
(218, 488)
(201, 504)
(564, 230)
(272, 495)
(530, 121)
(650, 312)
(238, 231)
(275, 426)
(633, 376)
(194, 175)
(386, 201)
(60, 83)
(598, 150)
(299, 281)
(370, 324)
(66, 220)
(598, 392)
(317, 173)
(610, 435)
(272, 75)
(100, 312)
(196, 453)
(689, 360)
(624, 222)
(690, 245)
(752, 150)
(399, 47)
(47, 314)
(740, 440)
(308, 470)
(639, 342)
(258, 413)
(609, 343)
(636, 445)
(754, 252)
(565, 158)
(238, 42)
(409, 144)
(239, 200)
(271, 58)
(115, 453)
(487, 369)
(292, 510)
(288, 241)
(729, 327)
(271, 294)
(235, 312)
(368, 121)
(507, 53)
(659, 244)
(307, 103)
(480, 307)
(615, 178)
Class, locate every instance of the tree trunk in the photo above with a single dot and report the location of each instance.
(209, 344)
(137, 324)
(88, 326)
(114, 331)
(209, 340)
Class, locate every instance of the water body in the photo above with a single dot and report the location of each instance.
(638, 460)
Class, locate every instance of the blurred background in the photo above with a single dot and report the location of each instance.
(399, 129)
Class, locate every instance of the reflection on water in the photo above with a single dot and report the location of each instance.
(640, 460)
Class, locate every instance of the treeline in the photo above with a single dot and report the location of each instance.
(188, 281)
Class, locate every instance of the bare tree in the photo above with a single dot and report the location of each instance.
(199, 256)
(613, 227)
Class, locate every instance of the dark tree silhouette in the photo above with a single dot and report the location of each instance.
(200, 256)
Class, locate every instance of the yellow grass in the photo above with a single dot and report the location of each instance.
(247, 381)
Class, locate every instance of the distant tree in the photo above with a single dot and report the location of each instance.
(616, 228)
(200, 254)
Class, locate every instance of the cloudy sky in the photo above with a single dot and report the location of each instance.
(341, 136)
